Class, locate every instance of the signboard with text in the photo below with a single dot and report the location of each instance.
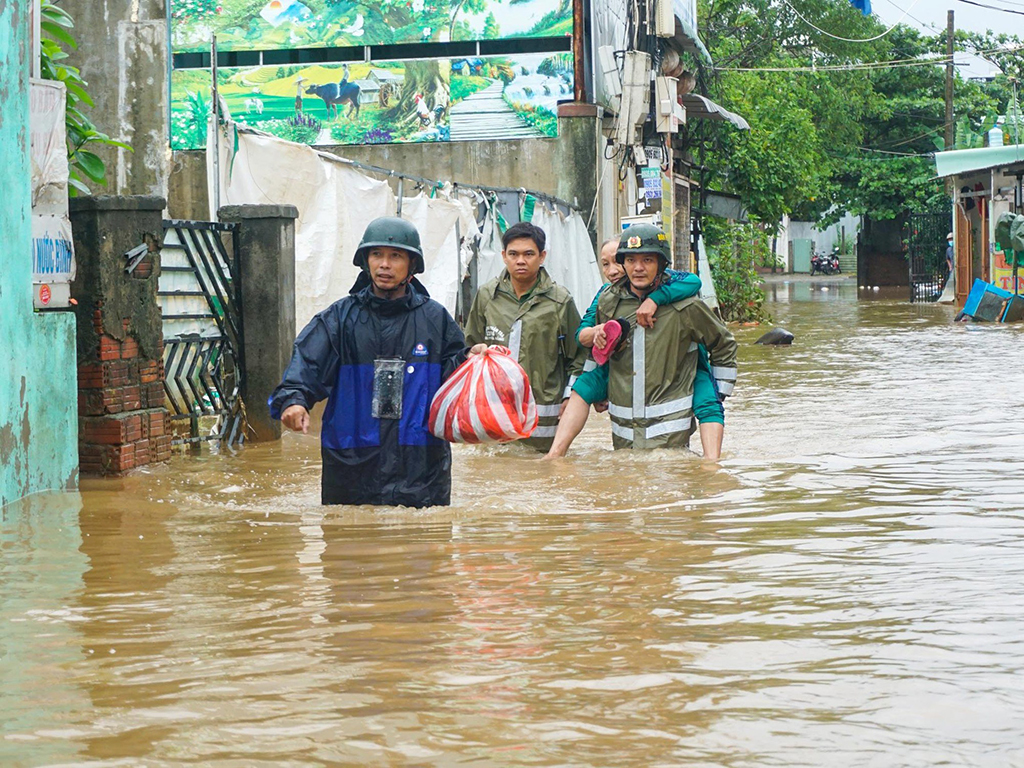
(53, 257)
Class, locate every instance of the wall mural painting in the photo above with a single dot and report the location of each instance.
(245, 25)
(358, 103)
(509, 97)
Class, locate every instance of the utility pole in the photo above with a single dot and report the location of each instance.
(949, 80)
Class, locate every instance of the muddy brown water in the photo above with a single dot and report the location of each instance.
(848, 589)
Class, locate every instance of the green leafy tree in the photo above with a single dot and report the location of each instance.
(825, 141)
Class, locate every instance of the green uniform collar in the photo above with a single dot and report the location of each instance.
(543, 285)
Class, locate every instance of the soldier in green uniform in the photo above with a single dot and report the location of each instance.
(525, 310)
(651, 372)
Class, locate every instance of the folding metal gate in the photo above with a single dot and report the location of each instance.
(200, 297)
(926, 249)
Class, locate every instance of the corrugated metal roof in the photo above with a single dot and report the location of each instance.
(960, 161)
(704, 108)
(686, 37)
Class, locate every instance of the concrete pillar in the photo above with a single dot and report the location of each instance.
(266, 246)
(123, 55)
(121, 405)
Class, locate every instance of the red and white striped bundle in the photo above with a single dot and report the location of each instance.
(488, 399)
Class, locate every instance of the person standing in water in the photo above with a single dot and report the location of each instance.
(652, 371)
(592, 387)
(377, 356)
(525, 310)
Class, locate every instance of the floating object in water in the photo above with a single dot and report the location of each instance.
(277, 12)
(776, 337)
(824, 287)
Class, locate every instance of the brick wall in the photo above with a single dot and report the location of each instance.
(121, 406)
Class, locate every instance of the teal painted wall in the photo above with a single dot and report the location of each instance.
(38, 370)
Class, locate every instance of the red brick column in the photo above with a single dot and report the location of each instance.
(121, 406)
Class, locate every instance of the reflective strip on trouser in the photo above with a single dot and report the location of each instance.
(680, 408)
(662, 429)
(549, 410)
(652, 411)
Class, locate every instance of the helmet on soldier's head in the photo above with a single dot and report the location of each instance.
(390, 232)
(644, 238)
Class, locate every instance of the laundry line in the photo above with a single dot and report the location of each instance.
(433, 183)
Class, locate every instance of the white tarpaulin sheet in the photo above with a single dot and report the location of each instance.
(707, 291)
(570, 261)
(446, 267)
(335, 203)
(53, 259)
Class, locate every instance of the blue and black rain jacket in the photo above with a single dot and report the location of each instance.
(395, 462)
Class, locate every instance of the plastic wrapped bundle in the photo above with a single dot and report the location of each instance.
(487, 400)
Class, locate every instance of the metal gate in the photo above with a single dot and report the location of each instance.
(200, 298)
(926, 250)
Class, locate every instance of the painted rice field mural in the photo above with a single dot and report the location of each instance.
(509, 97)
(242, 25)
(358, 103)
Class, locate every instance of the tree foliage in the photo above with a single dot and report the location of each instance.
(825, 141)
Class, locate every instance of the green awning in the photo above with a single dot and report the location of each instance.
(960, 161)
(686, 32)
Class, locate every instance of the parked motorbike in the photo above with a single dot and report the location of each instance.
(826, 264)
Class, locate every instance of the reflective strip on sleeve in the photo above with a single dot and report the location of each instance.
(723, 373)
(672, 406)
(693, 347)
(725, 388)
(544, 432)
(590, 365)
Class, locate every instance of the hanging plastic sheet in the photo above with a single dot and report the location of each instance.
(707, 291)
(335, 203)
(571, 261)
(445, 259)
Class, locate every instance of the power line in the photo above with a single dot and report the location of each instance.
(922, 23)
(876, 65)
(848, 39)
(992, 7)
(866, 66)
(900, 154)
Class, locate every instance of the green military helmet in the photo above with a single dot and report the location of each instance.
(644, 238)
(391, 232)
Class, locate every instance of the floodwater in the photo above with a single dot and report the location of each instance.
(846, 590)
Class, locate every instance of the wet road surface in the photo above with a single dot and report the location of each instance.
(847, 590)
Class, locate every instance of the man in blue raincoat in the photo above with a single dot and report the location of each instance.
(378, 356)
